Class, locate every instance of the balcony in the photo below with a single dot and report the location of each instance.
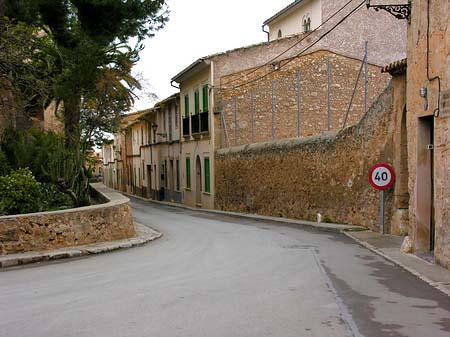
(204, 122)
(186, 127)
(199, 124)
(195, 120)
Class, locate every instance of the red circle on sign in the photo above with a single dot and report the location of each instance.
(377, 176)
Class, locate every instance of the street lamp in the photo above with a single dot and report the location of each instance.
(154, 128)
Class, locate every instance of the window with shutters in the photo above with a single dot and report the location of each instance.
(186, 106)
(205, 97)
(196, 102)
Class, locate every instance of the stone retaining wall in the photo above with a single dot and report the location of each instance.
(78, 226)
(300, 177)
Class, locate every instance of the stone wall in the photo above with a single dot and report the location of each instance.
(327, 174)
(73, 227)
(310, 89)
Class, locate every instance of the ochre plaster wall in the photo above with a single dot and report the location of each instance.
(438, 61)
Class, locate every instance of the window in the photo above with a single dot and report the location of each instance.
(207, 176)
(163, 117)
(205, 94)
(186, 106)
(279, 33)
(196, 101)
(176, 115)
(306, 24)
(178, 174)
(188, 173)
(166, 181)
(143, 170)
(169, 117)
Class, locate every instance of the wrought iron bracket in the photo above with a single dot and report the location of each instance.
(401, 12)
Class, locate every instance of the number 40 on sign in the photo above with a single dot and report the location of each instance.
(381, 176)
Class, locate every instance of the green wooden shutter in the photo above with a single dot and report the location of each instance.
(186, 106)
(197, 101)
(188, 173)
(205, 98)
(207, 176)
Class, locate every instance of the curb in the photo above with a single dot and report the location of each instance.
(143, 235)
(377, 251)
(321, 226)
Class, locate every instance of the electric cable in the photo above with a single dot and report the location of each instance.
(291, 47)
(300, 53)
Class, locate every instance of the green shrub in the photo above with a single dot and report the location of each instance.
(327, 219)
(19, 193)
(53, 198)
(4, 164)
(45, 155)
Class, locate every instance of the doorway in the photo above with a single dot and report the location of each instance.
(198, 182)
(149, 181)
(425, 185)
(171, 180)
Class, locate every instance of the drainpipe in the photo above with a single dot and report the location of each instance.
(267, 32)
(429, 78)
(173, 85)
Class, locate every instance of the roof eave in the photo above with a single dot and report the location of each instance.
(192, 69)
(282, 12)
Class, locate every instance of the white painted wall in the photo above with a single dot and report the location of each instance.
(292, 22)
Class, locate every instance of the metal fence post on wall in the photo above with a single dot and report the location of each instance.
(329, 94)
(252, 108)
(220, 127)
(353, 95)
(225, 130)
(366, 80)
(273, 109)
(299, 102)
(235, 120)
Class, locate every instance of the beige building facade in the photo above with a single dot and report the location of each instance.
(206, 84)
(197, 141)
(144, 159)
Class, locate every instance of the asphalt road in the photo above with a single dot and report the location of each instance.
(217, 276)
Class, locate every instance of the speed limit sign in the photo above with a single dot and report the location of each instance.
(381, 176)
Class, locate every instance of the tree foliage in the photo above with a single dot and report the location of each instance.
(26, 66)
(91, 39)
(77, 53)
(50, 161)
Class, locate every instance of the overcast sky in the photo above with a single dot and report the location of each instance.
(199, 28)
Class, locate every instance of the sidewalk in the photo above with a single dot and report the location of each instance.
(143, 235)
(387, 246)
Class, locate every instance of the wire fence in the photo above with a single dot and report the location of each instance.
(317, 93)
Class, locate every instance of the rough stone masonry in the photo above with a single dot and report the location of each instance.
(300, 177)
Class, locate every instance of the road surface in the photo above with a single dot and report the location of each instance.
(219, 276)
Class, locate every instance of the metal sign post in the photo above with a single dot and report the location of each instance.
(381, 177)
(382, 211)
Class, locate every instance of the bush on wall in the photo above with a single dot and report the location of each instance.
(19, 193)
